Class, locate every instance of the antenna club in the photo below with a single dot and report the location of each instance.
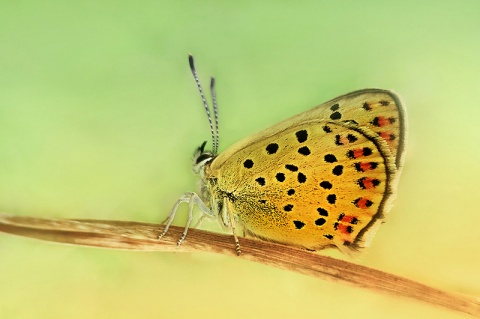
(212, 82)
(190, 61)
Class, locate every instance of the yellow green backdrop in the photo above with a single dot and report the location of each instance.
(99, 117)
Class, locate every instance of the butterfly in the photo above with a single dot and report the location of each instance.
(322, 178)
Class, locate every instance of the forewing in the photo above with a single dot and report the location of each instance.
(381, 111)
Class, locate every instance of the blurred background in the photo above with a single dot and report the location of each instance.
(99, 118)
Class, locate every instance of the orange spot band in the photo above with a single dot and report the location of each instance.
(382, 121)
(362, 203)
(369, 183)
(365, 166)
(349, 219)
(358, 153)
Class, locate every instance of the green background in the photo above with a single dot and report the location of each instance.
(99, 117)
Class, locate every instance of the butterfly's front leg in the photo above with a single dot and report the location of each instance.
(192, 199)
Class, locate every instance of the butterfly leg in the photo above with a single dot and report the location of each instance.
(231, 218)
(192, 199)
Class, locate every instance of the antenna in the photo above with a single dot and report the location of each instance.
(207, 109)
(215, 114)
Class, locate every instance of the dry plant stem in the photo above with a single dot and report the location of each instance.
(142, 236)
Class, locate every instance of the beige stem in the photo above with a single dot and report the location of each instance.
(143, 236)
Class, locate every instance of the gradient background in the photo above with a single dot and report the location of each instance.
(99, 117)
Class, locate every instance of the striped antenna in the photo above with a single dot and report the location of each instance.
(207, 109)
(215, 114)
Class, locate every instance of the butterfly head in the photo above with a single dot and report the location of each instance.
(201, 158)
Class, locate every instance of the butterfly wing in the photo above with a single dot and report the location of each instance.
(314, 184)
(381, 111)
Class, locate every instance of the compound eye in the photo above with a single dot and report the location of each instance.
(202, 157)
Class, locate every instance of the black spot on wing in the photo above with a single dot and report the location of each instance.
(248, 163)
(301, 136)
(304, 150)
(272, 148)
(298, 224)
